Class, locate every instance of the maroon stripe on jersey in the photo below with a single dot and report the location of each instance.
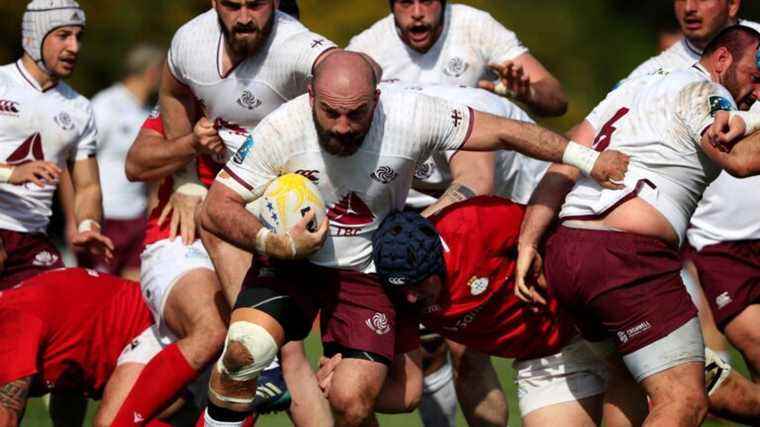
(240, 181)
(626, 198)
(470, 126)
(28, 80)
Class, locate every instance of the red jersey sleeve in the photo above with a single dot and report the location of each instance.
(153, 122)
(21, 337)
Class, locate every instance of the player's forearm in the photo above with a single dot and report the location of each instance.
(745, 157)
(229, 220)
(547, 98)
(13, 398)
(457, 192)
(88, 202)
(152, 158)
(66, 198)
(532, 140)
(545, 203)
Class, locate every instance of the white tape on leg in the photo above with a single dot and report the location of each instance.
(260, 345)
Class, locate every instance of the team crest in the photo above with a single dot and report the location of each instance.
(384, 174)
(249, 101)
(45, 259)
(718, 103)
(477, 285)
(379, 324)
(64, 121)
(243, 151)
(424, 170)
(456, 67)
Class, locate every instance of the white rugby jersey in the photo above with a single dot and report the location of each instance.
(720, 215)
(118, 116)
(471, 39)
(56, 125)
(658, 120)
(679, 56)
(359, 190)
(516, 175)
(278, 72)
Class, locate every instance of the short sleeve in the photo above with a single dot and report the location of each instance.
(498, 44)
(21, 338)
(442, 125)
(303, 50)
(173, 59)
(87, 145)
(257, 162)
(699, 102)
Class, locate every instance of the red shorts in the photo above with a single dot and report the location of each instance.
(28, 254)
(356, 314)
(619, 286)
(729, 273)
(127, 236)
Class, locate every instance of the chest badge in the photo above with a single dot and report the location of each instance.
(456, 67)
(64, 121)
(478, 285)
(249, 101)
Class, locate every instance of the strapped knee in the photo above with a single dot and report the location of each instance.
(716, 371)
(249, 349)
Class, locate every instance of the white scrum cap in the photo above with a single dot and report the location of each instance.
(44, 16)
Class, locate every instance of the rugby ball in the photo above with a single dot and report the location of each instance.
(289, 198)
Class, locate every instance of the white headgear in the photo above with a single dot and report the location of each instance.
(41, 18)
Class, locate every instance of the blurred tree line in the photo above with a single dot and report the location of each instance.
(588, 44)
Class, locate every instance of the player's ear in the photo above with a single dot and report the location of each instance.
(733, 8)
(722, 59)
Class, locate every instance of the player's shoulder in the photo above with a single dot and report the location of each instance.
(377, 33)
(78, 102)
(196, 36)
(287, 27)
(470, 217)
(469, 19)
(205, 22)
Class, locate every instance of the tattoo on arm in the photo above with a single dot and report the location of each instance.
(13, 395)
(458, 193)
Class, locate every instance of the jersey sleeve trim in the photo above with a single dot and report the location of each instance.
(470, 127)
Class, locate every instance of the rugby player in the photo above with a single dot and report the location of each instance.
(360, 148)
(208, 83)
(430, 41)
(119, 112)
(442, 179)
(721, 233)
(46, 127)
(460, 281)
(632, 293)
(74, 332)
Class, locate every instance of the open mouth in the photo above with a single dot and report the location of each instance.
(419, 33)
(693, 23)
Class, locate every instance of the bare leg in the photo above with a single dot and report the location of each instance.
(582, 413)
(354, 391)
(737, 399)
(625, 402)
(744, 333)
(309, 406)
(677, 395)
(478, 389)
(712, 336)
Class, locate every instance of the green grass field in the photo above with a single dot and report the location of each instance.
(36, 415)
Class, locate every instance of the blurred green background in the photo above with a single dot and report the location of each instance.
(588, 44)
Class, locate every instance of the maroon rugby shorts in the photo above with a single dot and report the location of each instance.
(729, 273)
(355, 312)
(28, 254)
(620, 286)
(127, 236)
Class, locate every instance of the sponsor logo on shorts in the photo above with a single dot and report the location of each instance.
(639, 329)
(64, 121)
(384, 175)
(249, 101)
(9, 108)
(45, 259)
(378, 323)
(456, 67)
(477, 285)
(723, 300)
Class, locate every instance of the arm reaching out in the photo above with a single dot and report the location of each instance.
(490, 132)
(13, 398)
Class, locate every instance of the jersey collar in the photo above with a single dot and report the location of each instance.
(691, 48)
(26, 75)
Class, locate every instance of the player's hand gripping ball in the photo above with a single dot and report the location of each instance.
(288, 199)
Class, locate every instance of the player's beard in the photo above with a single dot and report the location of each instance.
(245, 47)
(335, 144)
(731, 82)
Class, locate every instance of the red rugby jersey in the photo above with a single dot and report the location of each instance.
(68, 327)
(207, 169)
(478, 306)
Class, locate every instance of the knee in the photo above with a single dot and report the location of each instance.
(250, 349)
(206, 342)
(350, 407)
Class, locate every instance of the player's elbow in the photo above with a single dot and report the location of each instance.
(740, 168)
(133, 170)
(555, 103)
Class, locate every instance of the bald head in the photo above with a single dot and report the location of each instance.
(344, 74)
(343, 97)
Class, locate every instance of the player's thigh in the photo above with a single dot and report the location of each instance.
(231, 264)
(116, 390)
(580, 413)
(196, 303)
(744, 333)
